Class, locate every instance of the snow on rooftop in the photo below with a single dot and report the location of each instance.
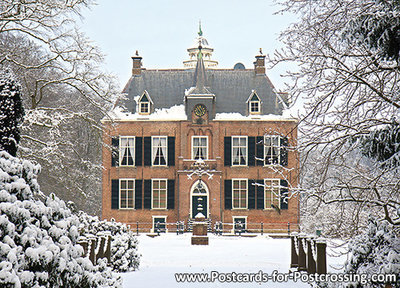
(238, 116)
(176, 112)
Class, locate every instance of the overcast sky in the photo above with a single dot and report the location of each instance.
(162, 31)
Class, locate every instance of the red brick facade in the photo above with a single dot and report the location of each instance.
(217, 131)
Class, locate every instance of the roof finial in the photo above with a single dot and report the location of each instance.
(200, 32)
(261, 51)
(137, 53)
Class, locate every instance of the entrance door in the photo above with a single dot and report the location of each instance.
(199, 199)
(199, 205)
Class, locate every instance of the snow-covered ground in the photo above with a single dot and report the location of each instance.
(168, 254)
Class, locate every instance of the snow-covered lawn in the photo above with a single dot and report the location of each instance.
(168, 254)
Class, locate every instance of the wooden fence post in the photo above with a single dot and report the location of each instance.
(311, 268)
(321, 256)
(294, 252)
(107, 252)
(302, 254)
(92, 246)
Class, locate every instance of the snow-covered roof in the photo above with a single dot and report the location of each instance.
(177, 113)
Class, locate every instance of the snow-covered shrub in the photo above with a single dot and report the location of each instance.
(377, 251)
(124, 256)
(38, 245)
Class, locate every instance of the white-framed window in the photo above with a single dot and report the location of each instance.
(254, 107)
(271, 193)
(126, 151)
(159, 151)
(272, 145)
(144, 103)
(239, 150)
(254, 104)
(199, 147)
(126, 193)
(239, 193)
(159, 193)
(144, 107)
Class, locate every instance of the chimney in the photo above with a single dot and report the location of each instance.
(259, 64)
(136, 64)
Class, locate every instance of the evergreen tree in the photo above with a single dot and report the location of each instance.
(11, 112)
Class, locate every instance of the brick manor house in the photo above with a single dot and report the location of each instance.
(229, 118)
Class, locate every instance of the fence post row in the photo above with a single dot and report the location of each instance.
(96, 247)
(307, 253)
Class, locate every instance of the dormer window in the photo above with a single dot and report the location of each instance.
(145, 103)
(254, 103)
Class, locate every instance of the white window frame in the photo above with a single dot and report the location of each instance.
(240, 190)
(121, 149)
(193, 152)
(144, 108)
(233, 222)
(161, 216)
(133, 194)
(278, 197)
(272, 146)
(239, 147)
(166, 194)
(153, 148)
(258, 107)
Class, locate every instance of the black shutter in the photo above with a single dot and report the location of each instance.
(138, 151)
(115, 194)
(138, 194)
(228, 194)
(171, 194)
(227, 151)
(114, 151)
(260, 150)
(260, 194)
(284, 151)
(171, 151)
(284, 194)
(147, 151)
(251, 151)
(147, 194)
(251, 194)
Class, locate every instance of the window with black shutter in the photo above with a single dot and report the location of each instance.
(114, 151)
(171, 151)
(252, 195)
(260, 150)
(260, 194)
(138, 194)
(138, 151)
(228, 194)
(227, 151)
(147, 194)
(251, 157)
(284, 193)
(115, 194)
(147, 151)
(171, 194)
(284, 151)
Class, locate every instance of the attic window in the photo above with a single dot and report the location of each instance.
(254, 104)
(144, 104)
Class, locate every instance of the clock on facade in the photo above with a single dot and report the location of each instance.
(200, 110)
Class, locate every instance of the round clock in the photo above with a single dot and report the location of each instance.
(200, 110)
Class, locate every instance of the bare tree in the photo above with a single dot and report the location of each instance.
(66, 92)
(350, 89)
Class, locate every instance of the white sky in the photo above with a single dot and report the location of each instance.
(163, 30)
